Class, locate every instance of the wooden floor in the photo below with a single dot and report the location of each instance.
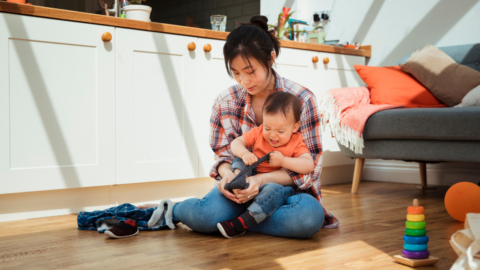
(372, 225)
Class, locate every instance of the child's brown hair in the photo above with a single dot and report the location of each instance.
(283, 102)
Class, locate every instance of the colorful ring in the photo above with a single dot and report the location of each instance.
(415, 225)
(415, 240)
(415, 218)
(411, 247)
(416, 255)
(411, 232)
(415, 210)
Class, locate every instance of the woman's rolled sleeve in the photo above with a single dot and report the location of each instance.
(219, 142)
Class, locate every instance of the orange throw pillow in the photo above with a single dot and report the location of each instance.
(390, 85)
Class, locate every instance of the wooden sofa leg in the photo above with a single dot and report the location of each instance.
(357, 174)
(423, 173)
(423, 176)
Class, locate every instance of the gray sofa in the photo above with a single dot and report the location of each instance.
(424, 135)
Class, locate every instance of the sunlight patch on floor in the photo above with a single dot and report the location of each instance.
(362, 250)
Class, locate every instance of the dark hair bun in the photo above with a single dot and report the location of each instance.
(251, 41)
(260, 21)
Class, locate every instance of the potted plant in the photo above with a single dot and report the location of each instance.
(136, 11)
(281, 30)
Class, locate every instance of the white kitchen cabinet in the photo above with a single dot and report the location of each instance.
(57, 105)
(157, 104)
(212, 80)
(339, 72)
(297, 66)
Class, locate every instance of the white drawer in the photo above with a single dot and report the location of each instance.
(295, 57)
(340, 61)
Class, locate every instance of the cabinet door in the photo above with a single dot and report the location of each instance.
(57, 105)
(156, 103)
(212, 80)
(297, 65)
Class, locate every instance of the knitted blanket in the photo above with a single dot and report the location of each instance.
(347, 111)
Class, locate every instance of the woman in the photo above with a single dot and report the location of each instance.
(250, 52)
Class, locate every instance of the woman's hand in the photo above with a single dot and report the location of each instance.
(249, 158)
(227, 177)
(276, 159)
(255, 183)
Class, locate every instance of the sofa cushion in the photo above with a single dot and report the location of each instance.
(447, 80)
(390, 85)
(424, 124)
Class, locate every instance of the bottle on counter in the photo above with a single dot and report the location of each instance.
(122, 5)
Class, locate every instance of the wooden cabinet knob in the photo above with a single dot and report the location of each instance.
(315, 59)
(106, 37)
(326, 60)
(191, 46)
(207, 48)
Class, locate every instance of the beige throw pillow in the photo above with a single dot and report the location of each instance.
(447, 80)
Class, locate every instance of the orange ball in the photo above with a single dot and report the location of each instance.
(415, 210)
(462, 198)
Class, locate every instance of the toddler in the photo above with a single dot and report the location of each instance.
(277, 136)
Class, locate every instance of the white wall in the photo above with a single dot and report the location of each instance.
(396, 28)
(304, 9)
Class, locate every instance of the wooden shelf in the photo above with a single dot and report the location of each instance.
(75, 16)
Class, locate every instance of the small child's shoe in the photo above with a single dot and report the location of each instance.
(123, 229)
(230, 228)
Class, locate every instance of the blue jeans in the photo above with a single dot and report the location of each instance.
(270, 196)
(300, 217)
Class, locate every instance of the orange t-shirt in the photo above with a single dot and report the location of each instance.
(254, 139)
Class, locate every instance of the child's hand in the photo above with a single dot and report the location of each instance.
(276, 159)
(249, 158)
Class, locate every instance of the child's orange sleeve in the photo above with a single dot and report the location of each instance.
(300, 147)
(251, 136)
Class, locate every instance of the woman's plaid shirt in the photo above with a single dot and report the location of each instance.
(232, 116)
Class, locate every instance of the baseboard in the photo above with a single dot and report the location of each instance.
(441, 174)
(18, 206)
(337, 175)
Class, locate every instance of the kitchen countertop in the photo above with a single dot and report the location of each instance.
(75, 16)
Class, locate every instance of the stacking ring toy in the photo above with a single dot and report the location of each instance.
(411, 232)
(415, 225)
(415, 240)
(416, 254)
(415, 248)
(411, 247)
(415, 218)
